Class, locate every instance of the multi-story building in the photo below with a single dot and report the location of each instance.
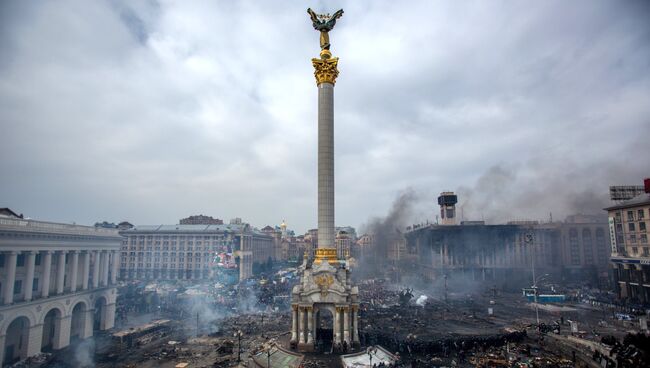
(630, 251)
(164, 252)
(57, 284)
(583, 246)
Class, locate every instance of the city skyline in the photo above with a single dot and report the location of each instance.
(150, 112)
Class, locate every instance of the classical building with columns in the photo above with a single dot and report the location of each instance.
(57, 284)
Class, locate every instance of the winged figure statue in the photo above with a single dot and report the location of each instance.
(324, 23)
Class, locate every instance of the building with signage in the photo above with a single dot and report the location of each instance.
(630, 258)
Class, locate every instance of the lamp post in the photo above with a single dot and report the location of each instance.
(238, 334)
(528, 239)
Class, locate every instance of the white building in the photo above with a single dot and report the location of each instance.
(57, 284)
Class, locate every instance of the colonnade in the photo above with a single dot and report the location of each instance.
(305, 321)
(103, 261)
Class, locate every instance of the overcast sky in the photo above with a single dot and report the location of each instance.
(151, 111)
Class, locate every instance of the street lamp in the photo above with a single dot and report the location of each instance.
(238, 334)
(528, 239)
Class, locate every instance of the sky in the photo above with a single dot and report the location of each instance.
(150, 111)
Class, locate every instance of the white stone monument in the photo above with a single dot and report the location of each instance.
(325, 286)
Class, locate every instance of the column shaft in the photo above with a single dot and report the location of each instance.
(337, 326)
(96, 264)
(115, 268)
(104, 278)
(355, 325)
(310, 326)
(346, 325)
(86, 271)
(60, 272)
(73, 271)
(29, 275)
(10, 265)
(301, 325)
(47, 274)
(326, 165)
(294, 323)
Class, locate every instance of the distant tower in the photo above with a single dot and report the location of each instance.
(447, 202)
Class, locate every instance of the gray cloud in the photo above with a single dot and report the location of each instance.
(151, 111)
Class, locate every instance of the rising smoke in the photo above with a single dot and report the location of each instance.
(508, 192)
(385, 232)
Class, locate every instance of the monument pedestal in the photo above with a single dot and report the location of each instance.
(325, 290)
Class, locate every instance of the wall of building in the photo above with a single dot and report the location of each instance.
(56, 278)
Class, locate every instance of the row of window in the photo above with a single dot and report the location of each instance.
(631, 215)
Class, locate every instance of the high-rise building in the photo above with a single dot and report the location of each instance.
(447, 202)
(630, 251)
(57, 284)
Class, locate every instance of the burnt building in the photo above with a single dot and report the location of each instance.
(576, 249)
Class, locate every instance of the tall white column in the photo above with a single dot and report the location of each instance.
(74, 267)
(47, 273)
(337, 325)
(326, 165)
(60, 272)
(96, 264)
(29, 276)
(294, 323)
(85, 275)
(104, 278)
(115, 269)
(346, 325)
(355, 324)
(310, 325)
(10, 265)
(301, 325)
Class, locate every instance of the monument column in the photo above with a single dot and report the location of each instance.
(326, 72)
(310, 326)
(337, 325)
(346, 325)
(301, 325)
(294, 323)
(355, 324)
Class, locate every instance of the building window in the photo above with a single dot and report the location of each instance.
(2, 260)
(631, 226)
(630, 215)
(646, 251)
(37, 259)
(644, 238)
(20, 260)
(18, 287)
(642, 226)
(640, 214)
(35, 285)
(632, 238)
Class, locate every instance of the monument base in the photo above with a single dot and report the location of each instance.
(325, 300)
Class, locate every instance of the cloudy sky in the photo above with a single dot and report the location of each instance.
(150, 111)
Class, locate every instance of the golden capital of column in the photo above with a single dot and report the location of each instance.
(325, 68)
(325, 254)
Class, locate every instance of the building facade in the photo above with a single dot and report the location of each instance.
(172, 252)
(630, 251)
(57, 284)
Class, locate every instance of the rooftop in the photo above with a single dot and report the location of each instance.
(640, 200)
